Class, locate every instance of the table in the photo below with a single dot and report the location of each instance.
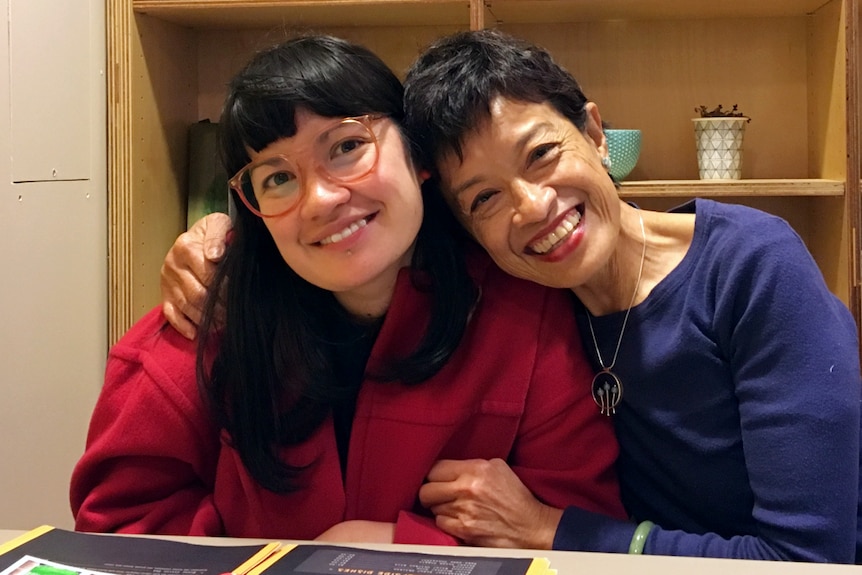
(573, 562)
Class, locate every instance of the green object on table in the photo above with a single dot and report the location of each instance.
(48, 570)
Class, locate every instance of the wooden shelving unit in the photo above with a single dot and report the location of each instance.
(792, 65)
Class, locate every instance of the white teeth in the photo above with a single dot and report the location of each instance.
(345, 233)
(569, 223)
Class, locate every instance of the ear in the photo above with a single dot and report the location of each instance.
(423, 174)
(593, 129)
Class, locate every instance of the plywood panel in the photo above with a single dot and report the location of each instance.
(222, 53)
(540, 11)
(50, 89)
(827, 89)
(224, 14)
(164, 88)
(651, 75)
(252, 14)
(119, 133)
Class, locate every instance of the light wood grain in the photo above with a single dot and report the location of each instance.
(792, 65)
(233, 14)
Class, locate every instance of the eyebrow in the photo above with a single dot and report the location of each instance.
(466, 185)
(521, 143)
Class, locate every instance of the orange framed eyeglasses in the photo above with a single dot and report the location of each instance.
(344, 153)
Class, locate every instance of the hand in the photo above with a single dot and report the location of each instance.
(485, 504)
(357, 531)
(188, 269)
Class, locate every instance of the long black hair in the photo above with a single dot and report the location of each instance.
(265, 374)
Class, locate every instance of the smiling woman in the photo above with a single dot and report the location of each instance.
(338, 221)
(354, 350)
(724, 360)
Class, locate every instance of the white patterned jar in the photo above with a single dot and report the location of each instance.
(719, 147)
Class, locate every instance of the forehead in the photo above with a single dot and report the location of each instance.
(505, 130)
(508, 122)
(311, 130)
(507, 118)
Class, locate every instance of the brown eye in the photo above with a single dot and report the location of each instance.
(481, 198)
(543, 153)
(346, 147)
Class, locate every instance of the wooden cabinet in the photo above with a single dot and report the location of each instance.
(789, 64)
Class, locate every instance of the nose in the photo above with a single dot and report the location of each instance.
(532, 201)
(320, 196)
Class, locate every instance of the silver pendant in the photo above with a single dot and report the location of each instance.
(607, 391)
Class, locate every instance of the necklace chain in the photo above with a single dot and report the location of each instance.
(607, 387)
(626, 318)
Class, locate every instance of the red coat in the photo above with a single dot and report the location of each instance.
(517, 388)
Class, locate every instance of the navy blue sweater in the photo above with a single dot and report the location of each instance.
(739, 427)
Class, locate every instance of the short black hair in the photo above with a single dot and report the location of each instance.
(449, 88)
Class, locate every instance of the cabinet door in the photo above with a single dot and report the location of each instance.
(50, 89)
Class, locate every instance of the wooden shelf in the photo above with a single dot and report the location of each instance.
(791, 64)
(541, 11)
(263, 13)
(732, 188)
(237, 14)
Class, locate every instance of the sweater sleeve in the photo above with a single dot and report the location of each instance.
(151, 449)
(565, 449)
(792, 350)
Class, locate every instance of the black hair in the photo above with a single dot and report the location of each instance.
(449, 88)
(266, 373)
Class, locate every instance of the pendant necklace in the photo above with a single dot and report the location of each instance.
(607, 388)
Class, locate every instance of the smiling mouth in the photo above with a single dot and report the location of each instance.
(566, 226)
(346, 232)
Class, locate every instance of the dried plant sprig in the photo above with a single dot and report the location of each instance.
(720, 112)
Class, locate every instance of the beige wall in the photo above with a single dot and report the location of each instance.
(53, 254)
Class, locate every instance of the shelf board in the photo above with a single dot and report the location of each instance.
(537, 11)
(233, 14)
(731, 188)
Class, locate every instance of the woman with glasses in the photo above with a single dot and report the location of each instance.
(360, 342)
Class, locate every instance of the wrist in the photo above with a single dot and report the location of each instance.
(549, 520)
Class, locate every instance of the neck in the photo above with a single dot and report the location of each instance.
(611, 289)
(371, 300)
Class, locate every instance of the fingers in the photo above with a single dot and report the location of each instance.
(452, 469)
(186, 272)
(432, 495)
(450, 479)
(215, 230)
(454, 527)
(483, 502)
(180, 313)
(189, 266)
(179, 321)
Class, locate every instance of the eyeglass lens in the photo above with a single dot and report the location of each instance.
(343, 153)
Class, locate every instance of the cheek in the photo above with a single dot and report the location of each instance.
(491, 235)
(281, 231)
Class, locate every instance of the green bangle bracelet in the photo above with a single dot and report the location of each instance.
(636, 547)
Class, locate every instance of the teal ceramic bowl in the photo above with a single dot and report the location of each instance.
(624, 148)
